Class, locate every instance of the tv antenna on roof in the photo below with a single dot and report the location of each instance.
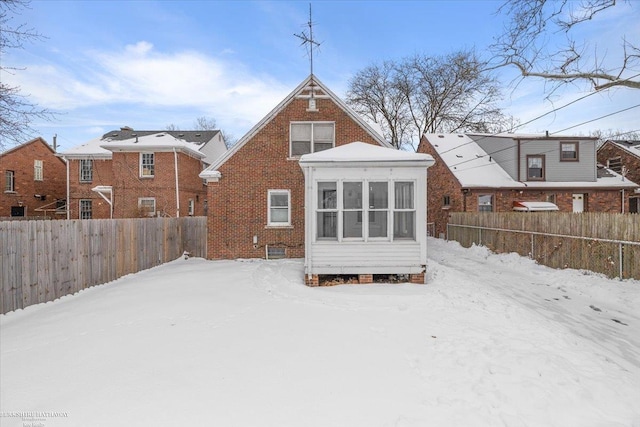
(307, 40)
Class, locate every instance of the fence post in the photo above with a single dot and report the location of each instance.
(479, 236)
(532, 253)
(620, 257)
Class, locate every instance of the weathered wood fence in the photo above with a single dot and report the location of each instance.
(44, 260)
(601, 242)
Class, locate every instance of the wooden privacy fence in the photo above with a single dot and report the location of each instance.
(44, 260)
(601, 242)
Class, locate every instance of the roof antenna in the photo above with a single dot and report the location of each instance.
(307, 39)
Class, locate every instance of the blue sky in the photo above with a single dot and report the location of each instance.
(148, 64)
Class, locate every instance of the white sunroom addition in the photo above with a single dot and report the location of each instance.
(365, 211)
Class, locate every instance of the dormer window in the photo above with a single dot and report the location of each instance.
(311, 137)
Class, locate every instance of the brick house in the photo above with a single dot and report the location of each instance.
(257, 189)
(500, 173)
(623, 156)
(34, 181)
(127, 173)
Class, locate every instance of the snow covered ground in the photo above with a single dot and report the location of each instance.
(492, 340)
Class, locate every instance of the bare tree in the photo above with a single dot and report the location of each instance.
(527, 43)
(17, 112)
(449, 93)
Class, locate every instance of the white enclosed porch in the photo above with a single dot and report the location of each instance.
(365, 212)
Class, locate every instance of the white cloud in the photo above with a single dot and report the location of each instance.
(138, 76)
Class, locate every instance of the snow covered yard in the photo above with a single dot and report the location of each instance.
(492, 340)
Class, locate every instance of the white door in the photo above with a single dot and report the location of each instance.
(578, 203)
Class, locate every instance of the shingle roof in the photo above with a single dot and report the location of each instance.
(194, 136)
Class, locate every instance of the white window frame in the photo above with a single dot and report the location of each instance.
(191, 207)
(145, 167)
(85, 174)
(82, 213)
(369, 209)
(412, 209)
(9, 181)
(321, 210)
(358, 209)
(271, 223)
(141, 201)
(312, 141)
(38, 170)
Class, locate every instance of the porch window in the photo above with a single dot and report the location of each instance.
(311, 137)
(279, 209)
(147, 206)
(86, 170)
(485, 203)
(352, 204)
(378, 208)
(535, 168)
(9, 181)
(37, 170)
(404, 215)
(568, 151)
(147, 165)
(327, 213)
(86, 209)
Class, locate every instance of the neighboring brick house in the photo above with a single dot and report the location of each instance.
(256, 190)
(623, 157)
(33, 181)
(476, 172)
(127, 173)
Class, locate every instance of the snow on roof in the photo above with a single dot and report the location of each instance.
(524, 206)
(90, 148)
(474, 168)
(157, 142)
(363, 152)
(632, 147)
(469, 163)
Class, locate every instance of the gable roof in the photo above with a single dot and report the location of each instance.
(154, 142)
(33, 141)
(361, 152)
(474, 168)
(629, 146)
(311, 80)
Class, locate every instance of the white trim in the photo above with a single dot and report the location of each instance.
(312, 140)
(278, 109)
(147, 199)
(38, 170)
(271, 223)
(142, 154)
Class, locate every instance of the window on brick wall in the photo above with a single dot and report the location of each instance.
(86, 170)
(9, 181)
(311, 137)
(279, 208)
(37, 170)
(86, 209)
(485, 203)
(147, 165)
(147, 206)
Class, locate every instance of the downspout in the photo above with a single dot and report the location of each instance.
(66, 162)
(175, 161)
(518, 160)
(622, 201)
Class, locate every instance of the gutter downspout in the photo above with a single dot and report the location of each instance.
(175, 162)
(66, 162)
(622, 201)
